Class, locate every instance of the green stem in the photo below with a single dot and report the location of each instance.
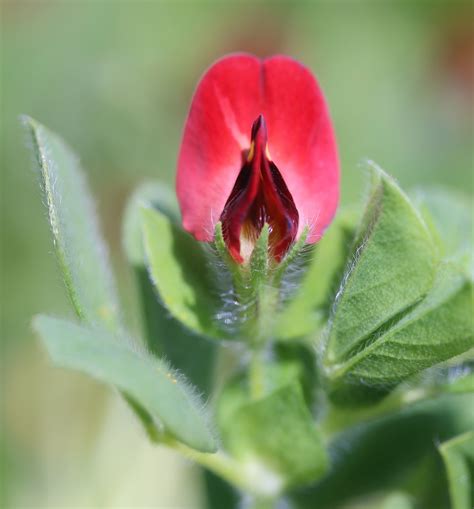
(259, 333)
(257, 374)
(258, 330)
(219, 463)
(227, 468)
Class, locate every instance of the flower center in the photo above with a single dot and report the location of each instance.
(259, 196)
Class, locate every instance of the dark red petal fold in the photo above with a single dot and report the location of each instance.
(259, 196)
(230, 96)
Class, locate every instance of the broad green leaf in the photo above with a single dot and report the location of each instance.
(275, 375)
(438, 328)
(393, 267)
(150, 383)
(386, 453)
(179, 270)
(308, 308)
(80, 248)
(164, 335)
(277, 434)
(458, 456)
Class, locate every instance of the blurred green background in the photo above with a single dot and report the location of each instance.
(115, 79)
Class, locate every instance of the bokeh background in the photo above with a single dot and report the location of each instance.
(115, 79)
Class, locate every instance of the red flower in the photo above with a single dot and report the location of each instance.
(258, 147)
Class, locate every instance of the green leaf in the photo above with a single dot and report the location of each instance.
(458, 456)
(79, 246)
(150, 383)
(150, 194)
(438, 328)
(164, 335)
(180, 272)
(384, 453)
(393, 267)
(276, 434)
(307, 309)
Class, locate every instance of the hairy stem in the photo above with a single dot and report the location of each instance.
(219, 463)
(257, 374)
(253, 484)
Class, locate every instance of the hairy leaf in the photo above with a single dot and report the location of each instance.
(149, 194)
(385, 453)
(158, 390)
(164, 334)
(277, 434)
(80, 248)
(392, 268)
(438, 328)
(179, 270)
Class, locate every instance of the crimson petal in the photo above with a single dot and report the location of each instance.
(230, 96)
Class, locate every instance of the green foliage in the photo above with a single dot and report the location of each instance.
(180, 272)
(381, 302)
(458, 456)
(394, 451)
(149, 194)
(259, 261)
(82, 256)
(164, 334)
(438, 328)
(79, 246)
(380, 333)
(274, 432)
(392, 267)
(160, 391)
(277, 434)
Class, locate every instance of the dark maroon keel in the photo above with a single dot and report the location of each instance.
(259, 196)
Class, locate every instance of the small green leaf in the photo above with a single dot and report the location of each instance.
(80, 248)
(277, 434)
(438, 328)
(458, 456)
(149, 382)
(288, 263)
(164, 335)
(179, 270)
(149, 194)
(392, 268)
(259, 261)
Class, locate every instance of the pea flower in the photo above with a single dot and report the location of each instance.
(258, 147)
